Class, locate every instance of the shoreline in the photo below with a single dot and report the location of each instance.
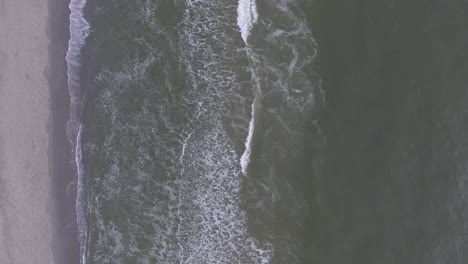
(65, 239)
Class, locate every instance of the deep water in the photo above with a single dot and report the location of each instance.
(393, 176)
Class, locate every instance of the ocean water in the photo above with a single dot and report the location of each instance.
(280, 131)
(192, 110)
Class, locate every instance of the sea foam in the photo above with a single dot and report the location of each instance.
(212, 224)
(79, 30)
(81, 199)
(245, 158)
(247, 16)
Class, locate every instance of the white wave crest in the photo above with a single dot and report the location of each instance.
(245, 158)
(247, 16)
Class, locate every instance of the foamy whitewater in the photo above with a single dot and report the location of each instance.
(79, 30)
(81, 198)
(245, 158)
(176, 114)
(247, 16)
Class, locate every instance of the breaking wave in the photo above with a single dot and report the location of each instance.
(247, 16)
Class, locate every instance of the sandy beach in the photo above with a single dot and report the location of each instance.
(27, 208)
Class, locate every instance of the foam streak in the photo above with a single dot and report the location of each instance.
(245, 158)
(81, 199)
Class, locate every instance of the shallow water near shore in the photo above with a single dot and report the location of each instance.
(187, 124)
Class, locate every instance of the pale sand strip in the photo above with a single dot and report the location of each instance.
(25, 180)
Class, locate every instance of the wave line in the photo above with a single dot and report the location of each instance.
(79, 31)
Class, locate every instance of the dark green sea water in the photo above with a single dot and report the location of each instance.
(393, 178)
(280, 131)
